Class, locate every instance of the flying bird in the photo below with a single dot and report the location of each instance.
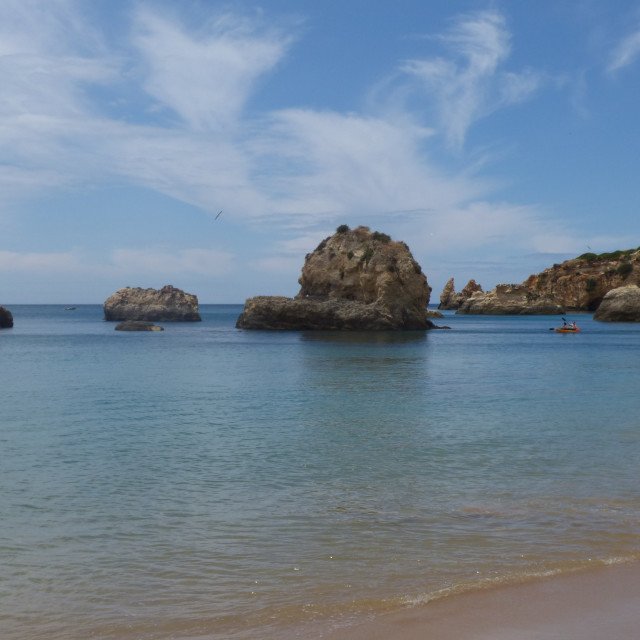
(219, 212)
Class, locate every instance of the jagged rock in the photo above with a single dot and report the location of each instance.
(620, 305)
(509, 299)
(164, 305)
(137, 325)
(450, 300)
(433, 313)
(6, 318)
(354, 280)
(448, 296)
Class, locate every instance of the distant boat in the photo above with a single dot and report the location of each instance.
(69, 308)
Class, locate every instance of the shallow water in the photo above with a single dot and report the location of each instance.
(211, 482)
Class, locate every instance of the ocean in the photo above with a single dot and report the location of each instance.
(208, 482)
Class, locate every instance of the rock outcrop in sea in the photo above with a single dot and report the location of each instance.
(155, 305)
(137, 325)
(620, 305)
(354, 280)
(509, 299)
(6, 318)
(450, 300)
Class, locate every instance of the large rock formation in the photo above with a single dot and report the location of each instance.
(579, 284)
(620, 305)
(449, 299)
(582, 283)
(354, 280)
(6, 318)
(509, 299)
(164, 305)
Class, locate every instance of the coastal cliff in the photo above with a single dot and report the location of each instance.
(509, 299)
(354, 280)
(155, 305)
(579, 284)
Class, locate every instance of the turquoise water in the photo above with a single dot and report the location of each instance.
(207, 482)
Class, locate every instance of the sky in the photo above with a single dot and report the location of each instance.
(495, 138)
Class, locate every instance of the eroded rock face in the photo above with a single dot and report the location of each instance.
(510, 299)
(6, 318)
(354, 279)
(156, 305)
(450, 300)
(620, 305)
(579, 284)
(582, 283)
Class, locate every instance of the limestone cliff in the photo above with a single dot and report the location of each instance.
(155, 305)
(354, 279)
(6, 318)
(509, 299)
(579, 284)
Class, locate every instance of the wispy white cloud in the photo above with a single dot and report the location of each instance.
(207, 262)
(304, 167)
(205, 76)
(626, 52)
(330, 164)
(470, 84)
(64, 262)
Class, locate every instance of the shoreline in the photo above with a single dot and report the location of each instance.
(590, 604)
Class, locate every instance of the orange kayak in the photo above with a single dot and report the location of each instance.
(567, 330)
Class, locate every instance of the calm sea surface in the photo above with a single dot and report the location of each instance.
(207, 482)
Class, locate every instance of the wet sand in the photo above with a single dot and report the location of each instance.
(595, 604)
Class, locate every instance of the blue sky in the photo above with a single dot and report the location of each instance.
(494, 138)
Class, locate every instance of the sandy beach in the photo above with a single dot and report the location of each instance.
(587, 605)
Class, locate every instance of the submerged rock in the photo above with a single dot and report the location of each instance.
(620, 305)
(354, 280)
(6, 318)
(164, 305)
(138, 325)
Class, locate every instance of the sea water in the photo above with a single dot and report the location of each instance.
(209, 482)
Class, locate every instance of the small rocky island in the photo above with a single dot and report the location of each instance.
(6, 318)
(153, 305)
(137, 325)
(354, 280)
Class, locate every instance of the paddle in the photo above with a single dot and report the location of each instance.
(553, 328)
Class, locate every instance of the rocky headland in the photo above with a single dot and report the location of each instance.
(154, 305)
(6, 318)
(354, 280)
(577, 285)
